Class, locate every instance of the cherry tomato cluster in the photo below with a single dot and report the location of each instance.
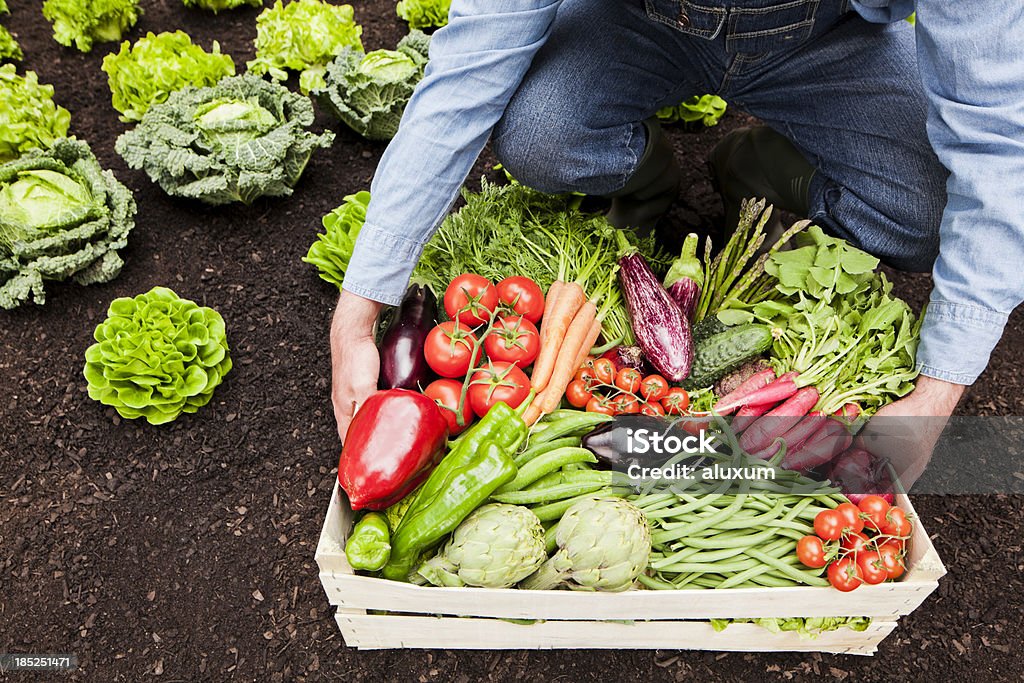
(864, 543)
(481, 352)
(600, 388)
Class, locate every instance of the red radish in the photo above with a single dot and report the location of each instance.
(737, 397)
(854, 472)
(804, 431)
(782, 388)
(818, 450)
(747, 415)
(849, 411)
(779, 420)
(768, 452)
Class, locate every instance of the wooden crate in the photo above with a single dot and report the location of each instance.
(375, 613)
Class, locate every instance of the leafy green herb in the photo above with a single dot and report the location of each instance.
(61, 216)
(83, 22)
(424, 13)
(707, 109)
(237, 140)
(303, 36)
(29, 119)
(147, 72)
(333, 249)
(369, 92)
(157, 356)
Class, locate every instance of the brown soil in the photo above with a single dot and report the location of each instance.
(185, 552)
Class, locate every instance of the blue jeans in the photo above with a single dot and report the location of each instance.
(846, 92)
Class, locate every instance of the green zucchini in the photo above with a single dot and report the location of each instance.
(720, 353)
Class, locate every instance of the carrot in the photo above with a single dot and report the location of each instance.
(565, 365)
(549, 307)
(558, 320)
(592, 334)
(532, 414)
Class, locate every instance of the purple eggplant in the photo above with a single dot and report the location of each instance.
(686, 277)
(402, 363)
(660, 328)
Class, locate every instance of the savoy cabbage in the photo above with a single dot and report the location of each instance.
(61, 216)
(369, 91)
(235, 141)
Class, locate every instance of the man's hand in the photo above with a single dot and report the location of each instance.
(355, 362)
(906, 431)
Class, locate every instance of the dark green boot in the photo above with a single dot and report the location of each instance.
(758, 162)
(651, 189)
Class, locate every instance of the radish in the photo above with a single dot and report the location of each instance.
(781, 389)
(737, 397)
(820, 449)
(747, 415)
(854, 472)
(779, 420)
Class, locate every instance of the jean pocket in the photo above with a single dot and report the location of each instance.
(761, 30)
(687, 17)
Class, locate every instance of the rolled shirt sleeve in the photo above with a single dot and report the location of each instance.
(971, 57)
(476, 63)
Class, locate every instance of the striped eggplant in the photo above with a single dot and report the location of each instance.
(686, 277)
(660, 328)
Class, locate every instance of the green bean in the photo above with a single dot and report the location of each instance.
(552, 511)
(537, 449)
(573, 477)
(787, 570)
(655, 583)
(578, 422)
(773, 581)
(547, 495)
(545, 464)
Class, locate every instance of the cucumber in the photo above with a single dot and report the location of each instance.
(720, 353)
(708, 327)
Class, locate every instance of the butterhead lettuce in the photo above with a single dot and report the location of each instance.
(29, 118)
(83, 22)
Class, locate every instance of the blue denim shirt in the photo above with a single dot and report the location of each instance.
(970, 57)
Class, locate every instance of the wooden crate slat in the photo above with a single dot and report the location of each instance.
(397, 631)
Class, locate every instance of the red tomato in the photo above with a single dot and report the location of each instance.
(470, 299)
(654, 387)
(892, 560)
(514, 340)
(652, 408)
(604, 371)
(811, 552)
(676, 401)
(628, 379)
(874, 508)
(828, 524)
(497, 382)
(625, 404)
(844, 575)
(600, 404)
(523, 295)
(586, 375)
(871, 567)
(446, 393)
(855, 542)
(852, 523)
(577, 394)
(896, 523)
(449, 349)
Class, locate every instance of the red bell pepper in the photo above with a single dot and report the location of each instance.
(394, 441)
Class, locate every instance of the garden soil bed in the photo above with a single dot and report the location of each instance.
(185, 552)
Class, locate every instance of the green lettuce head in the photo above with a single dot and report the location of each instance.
(61, 216)
(29, 119)
(220, 5)
(424, 13)
(706, 109)
(147, 72)
(303, 36)
(83, 22)
(157, 356)
(9, 48)
(333, 249)
(235, 141)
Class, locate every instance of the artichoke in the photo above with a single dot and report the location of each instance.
(157, 356)
(497, 546)
(604, 544)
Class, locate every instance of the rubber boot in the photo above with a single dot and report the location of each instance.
(651, 189)
(758, 162)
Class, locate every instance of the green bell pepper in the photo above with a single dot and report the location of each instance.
(369, 546)
(466, 487)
